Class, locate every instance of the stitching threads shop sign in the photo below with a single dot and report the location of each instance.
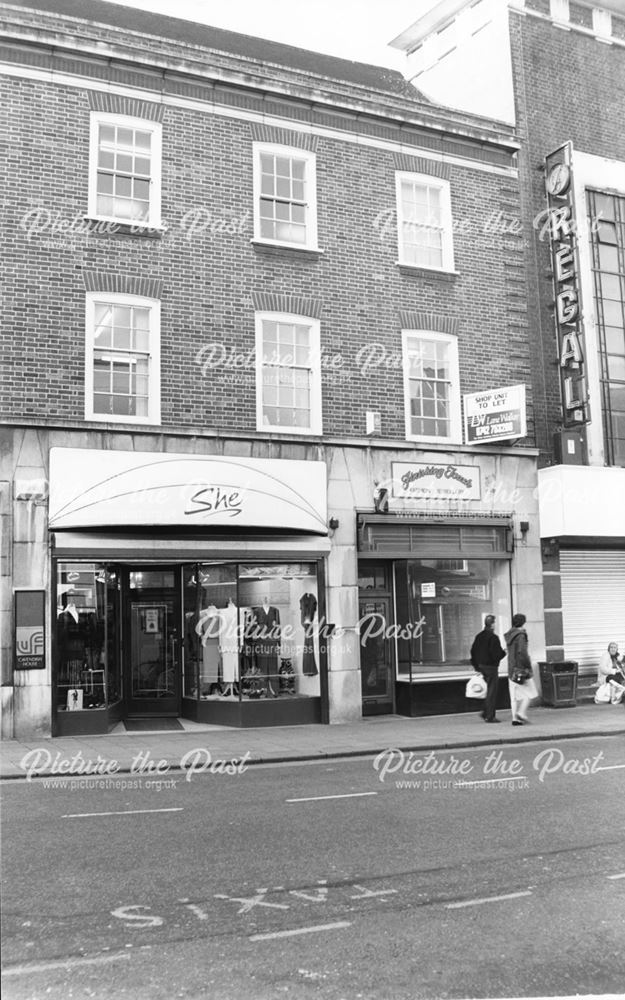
(412, 480)
(565, 264)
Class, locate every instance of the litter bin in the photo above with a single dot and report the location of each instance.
(559, 683)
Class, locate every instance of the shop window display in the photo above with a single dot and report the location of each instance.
(251, 631)
(86, 637)
(444, 602)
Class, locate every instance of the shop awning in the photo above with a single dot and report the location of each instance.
(119, 489)
(393, 536)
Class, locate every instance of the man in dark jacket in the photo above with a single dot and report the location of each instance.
(486, 652)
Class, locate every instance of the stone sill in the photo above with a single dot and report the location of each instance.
(414, 270)
(283, 250)
(123, 229)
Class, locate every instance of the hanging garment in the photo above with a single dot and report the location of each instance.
(228, 643)
(267, 640)
(308, 610)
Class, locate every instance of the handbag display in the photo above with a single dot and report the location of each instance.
(603, 695)
(476, 687)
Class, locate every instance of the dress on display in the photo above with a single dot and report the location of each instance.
(266, 640)
(308, 610)
(228, 643)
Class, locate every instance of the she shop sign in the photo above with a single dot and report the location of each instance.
(495, 415)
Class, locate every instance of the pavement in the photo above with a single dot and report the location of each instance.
(363, 737)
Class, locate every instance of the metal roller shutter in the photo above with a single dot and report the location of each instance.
(593, 602)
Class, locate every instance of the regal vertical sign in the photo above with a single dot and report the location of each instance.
(566, 284)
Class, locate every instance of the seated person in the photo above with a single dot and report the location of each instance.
(611, 666)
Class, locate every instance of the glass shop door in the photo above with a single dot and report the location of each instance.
(151, 646)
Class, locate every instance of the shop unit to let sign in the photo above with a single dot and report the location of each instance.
(566, 285)
(495, 415)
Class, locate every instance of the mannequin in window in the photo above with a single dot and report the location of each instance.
(71, 642)
(207, 628)
(308, 610)
(229, 647)
(267, 644)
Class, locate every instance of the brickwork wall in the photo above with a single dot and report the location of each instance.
(209, 278)
(569, 87)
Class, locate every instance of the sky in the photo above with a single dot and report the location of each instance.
(351, 29)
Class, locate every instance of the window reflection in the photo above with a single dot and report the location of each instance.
(251, 631)
(444, 602)
(86, 636)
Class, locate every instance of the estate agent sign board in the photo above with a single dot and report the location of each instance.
(495, 415)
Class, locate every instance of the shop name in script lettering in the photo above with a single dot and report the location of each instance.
(213, 500)
(438, 472)
(41, 763)
(549, 761)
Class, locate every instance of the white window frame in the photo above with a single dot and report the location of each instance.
(602, 23)
(154, 363)
(310, 177)
(559, 11)
(455, 416)
(444, 188)
(315, 427)
(124, 121)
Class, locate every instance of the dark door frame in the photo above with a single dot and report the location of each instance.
(376, 704)
(157, 706)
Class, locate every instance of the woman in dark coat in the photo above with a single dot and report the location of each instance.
(523, 689)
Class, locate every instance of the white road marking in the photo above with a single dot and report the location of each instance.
(371, 892)
(71, 963)
(321, 798)
(249, 902)
(486, 899)
(622, 875)
(126, 812)
(301, 930)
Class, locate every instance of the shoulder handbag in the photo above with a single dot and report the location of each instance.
(519, 676)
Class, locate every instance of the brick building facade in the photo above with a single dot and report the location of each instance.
(560, 80)
(227, 257)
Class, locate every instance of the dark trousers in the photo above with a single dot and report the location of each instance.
(491, 676)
